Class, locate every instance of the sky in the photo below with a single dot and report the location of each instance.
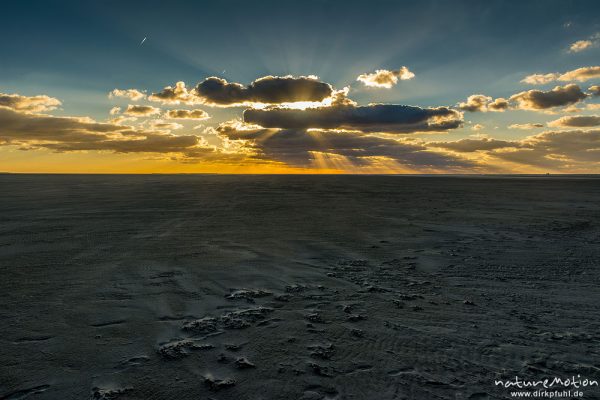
(300, 87)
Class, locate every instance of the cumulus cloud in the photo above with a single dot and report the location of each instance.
(383, 78)
(301, 147)
(578, 121)
(389, 118)
(482, 103)
(132, 94)
(115, 110)
(528, 126)
(499, 104)
(475, 102)
(141, 111)
(557, 97)
(594, 90)
(187, 114)
(175, 95)
(29, 103)
(265, 90)
(477, 127)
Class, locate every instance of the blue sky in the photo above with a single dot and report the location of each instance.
(78, 51)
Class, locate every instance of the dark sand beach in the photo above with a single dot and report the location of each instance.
(295, 287)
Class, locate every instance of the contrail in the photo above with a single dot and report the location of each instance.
(143, 40)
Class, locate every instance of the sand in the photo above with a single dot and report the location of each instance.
(295, 287)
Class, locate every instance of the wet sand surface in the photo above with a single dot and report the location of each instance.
(295, 287)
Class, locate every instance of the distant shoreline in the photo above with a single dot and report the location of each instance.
(316, 174)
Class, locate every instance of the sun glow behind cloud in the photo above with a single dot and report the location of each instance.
(324, 93)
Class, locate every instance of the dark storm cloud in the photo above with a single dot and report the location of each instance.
(296, 147)
(269, 89)
(372, 118)
(557, 97)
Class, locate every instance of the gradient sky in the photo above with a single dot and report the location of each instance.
(77, 52)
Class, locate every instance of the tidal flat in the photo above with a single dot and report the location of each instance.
(295, 287)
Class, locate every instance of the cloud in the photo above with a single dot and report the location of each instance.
(119, 120)
(175, 95)
(29, 103)
(187, 114)
(164, 125)
(132, 94)
(540, 79)
(573, 150)
(115, 110)
(586, 44)
(150, 143)
(482, 103)
(383, 78)
(265, 90)
(475, 102)
(581, 74)
(34, 131)
(500, 104)
(472, 145)
(526, 126)
(477, 127)
(580, 45)
(594, 90)
(560, 150)
(15, 125)
(304, 148)
(578, 121)
(577, 144)
(541, 100)
(141, 111)
(372, 118)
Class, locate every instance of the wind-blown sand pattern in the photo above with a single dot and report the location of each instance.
(295, 287)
